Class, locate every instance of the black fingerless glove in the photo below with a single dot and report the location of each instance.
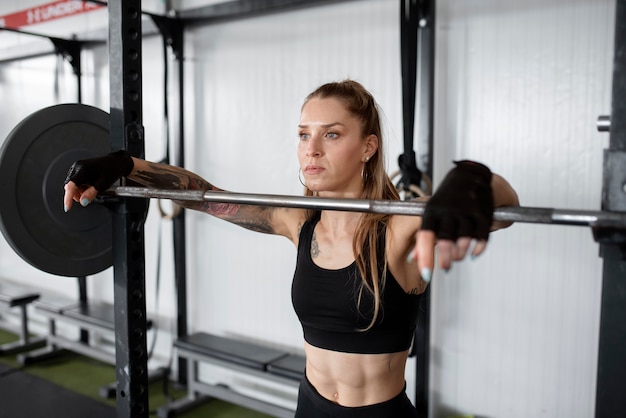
(463, 204)
(101, 172)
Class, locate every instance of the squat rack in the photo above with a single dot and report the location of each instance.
(127, 132)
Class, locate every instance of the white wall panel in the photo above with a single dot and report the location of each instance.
(520, 87)
(249, 81)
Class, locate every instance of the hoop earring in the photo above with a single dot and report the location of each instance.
(364, 175)
(300, 177)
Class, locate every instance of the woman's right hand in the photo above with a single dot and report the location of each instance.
(86, 178)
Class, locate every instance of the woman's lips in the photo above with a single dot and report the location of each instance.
(313, 169)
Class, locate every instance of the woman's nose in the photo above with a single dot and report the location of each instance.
(313, 147)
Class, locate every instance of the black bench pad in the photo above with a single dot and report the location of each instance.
(54, 304)
(291, 366)
(238, 352)
(14, 295)
(99, 314)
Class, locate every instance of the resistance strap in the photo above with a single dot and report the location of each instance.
(409, 20)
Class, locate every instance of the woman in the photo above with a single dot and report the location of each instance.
(358, 277)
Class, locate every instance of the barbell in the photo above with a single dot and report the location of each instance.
(388, 207)
(36, 155)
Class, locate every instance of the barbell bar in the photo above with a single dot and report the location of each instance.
(388, 207)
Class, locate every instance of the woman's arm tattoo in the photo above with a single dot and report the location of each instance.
(257, 224)
(255, 218)
(171, 177)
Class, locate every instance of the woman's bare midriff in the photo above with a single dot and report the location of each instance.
(352, 380)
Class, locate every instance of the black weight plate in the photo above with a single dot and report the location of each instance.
(34, 160)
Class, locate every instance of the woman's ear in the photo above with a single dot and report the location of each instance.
(371, 146)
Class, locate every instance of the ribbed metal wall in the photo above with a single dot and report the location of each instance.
(520, 87)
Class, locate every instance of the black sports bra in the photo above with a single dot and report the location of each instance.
(326, 302)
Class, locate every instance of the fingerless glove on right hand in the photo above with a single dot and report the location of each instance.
(100, 172)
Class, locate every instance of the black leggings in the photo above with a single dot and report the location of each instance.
(313, 405)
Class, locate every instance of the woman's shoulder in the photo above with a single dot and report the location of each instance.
(290, 222)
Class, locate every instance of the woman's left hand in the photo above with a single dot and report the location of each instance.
(460, 212)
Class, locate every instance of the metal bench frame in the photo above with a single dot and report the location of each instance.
(13, 296)
(200, 392)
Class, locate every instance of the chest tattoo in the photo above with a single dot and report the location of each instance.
(315, 248)
(414, 291)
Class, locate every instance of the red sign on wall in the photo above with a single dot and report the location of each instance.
(46, 12)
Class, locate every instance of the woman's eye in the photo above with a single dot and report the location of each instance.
(332, 135)
(303, 136)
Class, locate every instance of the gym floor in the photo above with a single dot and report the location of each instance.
(71, 383)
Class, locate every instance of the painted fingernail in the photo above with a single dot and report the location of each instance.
(84, 202)
(426, 274)
(409, 259)
(65, 209)
(473, 257)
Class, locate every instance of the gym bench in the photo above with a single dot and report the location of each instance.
(14, 296)
(244, 357)
(97, 317)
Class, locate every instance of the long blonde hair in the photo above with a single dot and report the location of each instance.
(376, 185)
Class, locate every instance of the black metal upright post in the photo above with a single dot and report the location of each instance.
(128, 217)
(180, 249)
(611, 378)
(417, 43)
